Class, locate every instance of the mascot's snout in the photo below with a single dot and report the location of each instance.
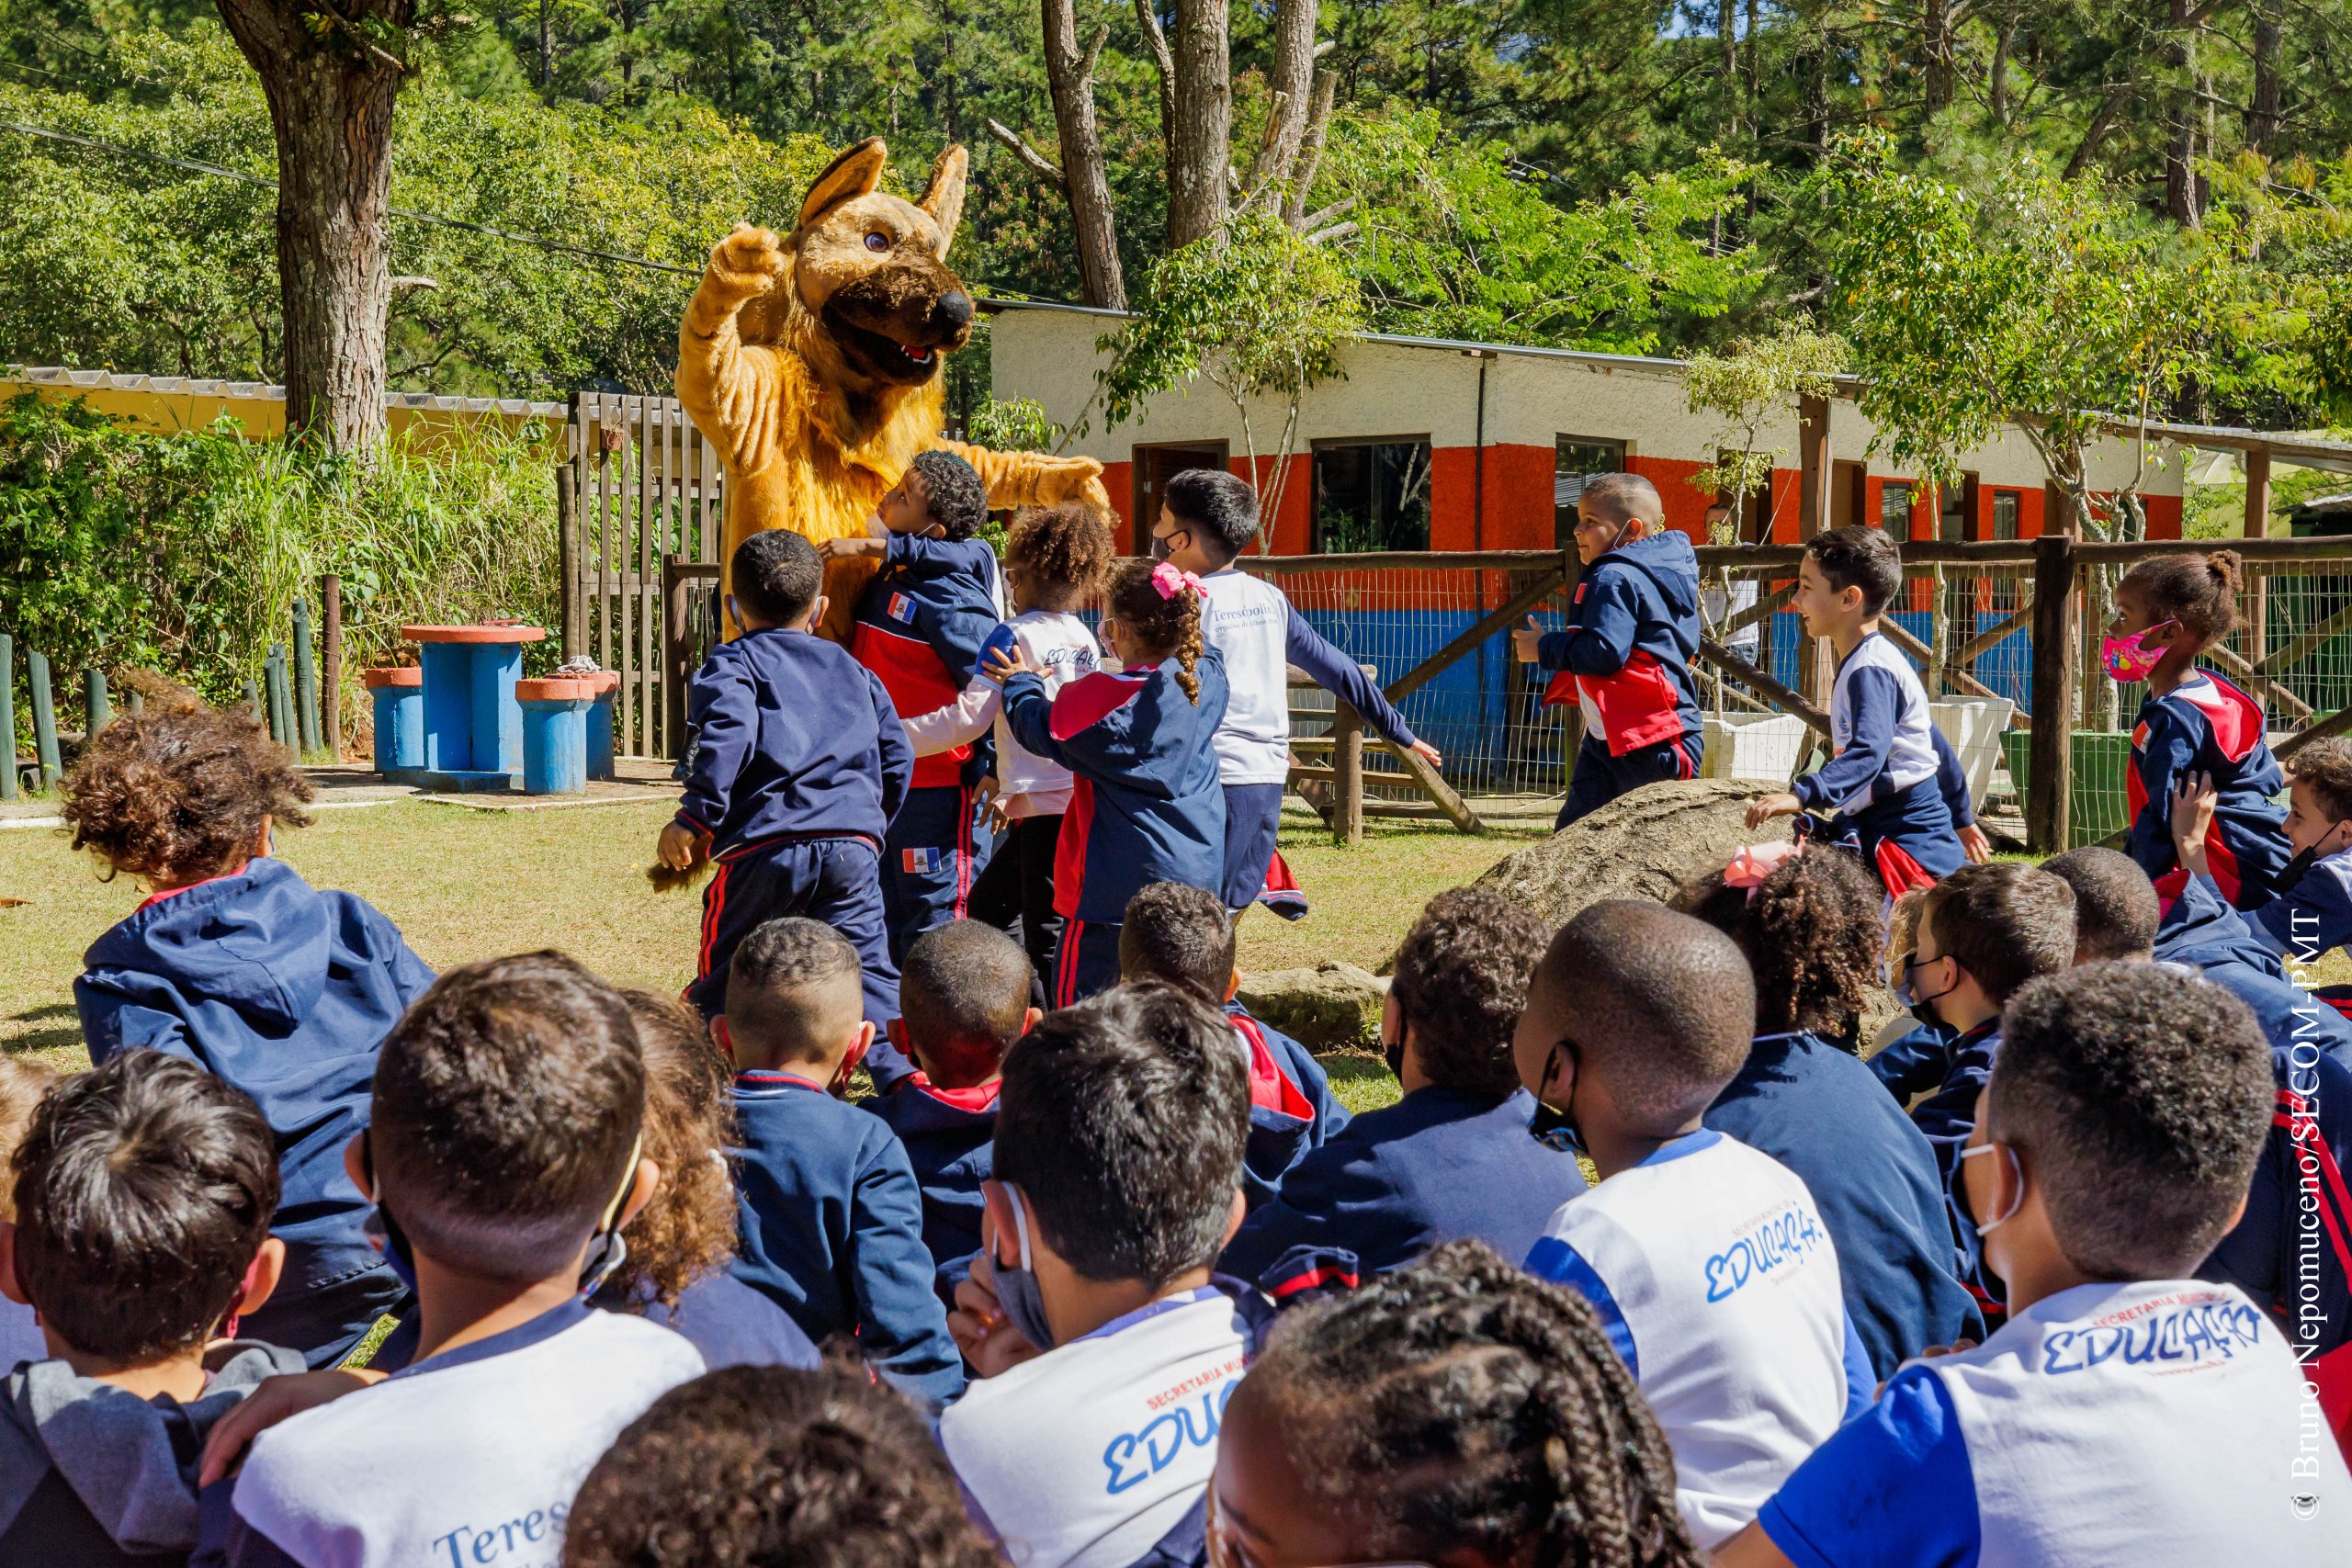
(872, 267)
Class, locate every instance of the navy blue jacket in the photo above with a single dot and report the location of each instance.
(1875, 703)
(286, 992)
(1292, 1108)
(731, 1324)
(791, 736)
(1910, 1065)
(950, 1138)
(831, 1228)
(2200, 930)
(1440, 1165)
(921, 623)
(1818, 1111)
(1145, 804)
(1948, 1117)
(1633, 631)
(2292, 1252)
(2207, 726)
(2312, 916)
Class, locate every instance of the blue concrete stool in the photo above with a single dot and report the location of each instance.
(400, 716)
(555, 735)
(605, 683)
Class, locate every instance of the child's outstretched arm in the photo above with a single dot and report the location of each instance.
(2189, 814)
(1952, 782)
(1028, 712)
(722, 715)
(1601, 631)
(1343, 677)
(901, 1328)
(966, 718)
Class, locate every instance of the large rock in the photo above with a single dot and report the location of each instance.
(1642, 845)
(1331, 1007)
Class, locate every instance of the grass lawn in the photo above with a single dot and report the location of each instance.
(466, 884)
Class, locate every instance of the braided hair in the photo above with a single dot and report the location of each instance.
(2200, 592)
(1492, 1408)
(1812, 931)
(1172, 624)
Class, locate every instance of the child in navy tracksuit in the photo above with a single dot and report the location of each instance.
(239, 965)
(965, 995)
(1207, 517)
(2292, 1250)
(2169, 609)
(2313, 910)
(1146, 806)
(1625, 656)
(798, 766)
(1183, 936)
(1809, 921)
(921, 623)
(831, 1217)
(1457, 1158)
(1983, 932)
(1894, 792)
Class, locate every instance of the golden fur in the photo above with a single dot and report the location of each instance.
(811, 361)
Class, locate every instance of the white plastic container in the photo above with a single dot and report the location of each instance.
(1761, 746)
(1973, 726)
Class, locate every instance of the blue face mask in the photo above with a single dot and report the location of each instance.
(1016, 1289)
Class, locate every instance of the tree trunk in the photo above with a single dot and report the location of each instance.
(1728, 93)
(1935, 49)
(331, 108)
(2181, 124)
(2262, 123)
(1199, 145)
(1289, 76)
(1997, 85)
(546, 50)
(1069, 77)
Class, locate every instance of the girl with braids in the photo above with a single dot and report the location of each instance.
(1809, 923)
(1145, 805)
(2168, 610)
(1456, 1411)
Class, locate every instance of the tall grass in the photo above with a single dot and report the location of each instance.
(187, 552)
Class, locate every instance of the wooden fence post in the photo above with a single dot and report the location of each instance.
(1347, 773)
(97, 706)
(677, 610)
(567, 549)
(7, 717)
(2050, 752)
(306, 681)
(331, 664)
(44, 719)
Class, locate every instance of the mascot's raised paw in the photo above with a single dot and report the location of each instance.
(754, 256)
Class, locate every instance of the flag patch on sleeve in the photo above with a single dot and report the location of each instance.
(914, 863)
(902, 609)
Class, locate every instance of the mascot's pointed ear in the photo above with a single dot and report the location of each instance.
(943, 199)
(855, 174)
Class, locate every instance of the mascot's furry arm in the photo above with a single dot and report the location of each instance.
(732, 388)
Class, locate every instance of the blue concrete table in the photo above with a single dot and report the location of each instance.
(473, 724)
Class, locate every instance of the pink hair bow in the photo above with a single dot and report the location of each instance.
(1172, 579)
(1751, 863)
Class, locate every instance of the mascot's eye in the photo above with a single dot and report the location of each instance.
(877, 241)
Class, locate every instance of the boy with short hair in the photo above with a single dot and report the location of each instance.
(831, 1217)
(503, 1156)
(2125, 1413)
(1457, 1158)
(1625, 656)
(965, 990)
(1707, 1260)
(1104, 1353)
(143, 1191)
(921, 623)
(1183, 936)
(798, 768)
(1207, 517)
(2313, 909)
(1894, 789)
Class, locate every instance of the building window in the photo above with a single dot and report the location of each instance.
(1153, 467)
(2005, 526)
(1576, 459)
(1372, 495)
(1895, 508)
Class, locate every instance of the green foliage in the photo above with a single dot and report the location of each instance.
(1019, 424)
(184, 552)
(1753, 383)
(1457, 239)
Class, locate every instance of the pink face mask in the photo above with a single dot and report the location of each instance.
(2129, 659)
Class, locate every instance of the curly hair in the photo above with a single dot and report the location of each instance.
(2327, 767)
(1461, 983)
(759, 1465)
(1812, 934)
(178, 791)
(688, 1230)
(952, 491)
(1459, 1402)
(1063, 550)
(1171, 626)
(2200, 592)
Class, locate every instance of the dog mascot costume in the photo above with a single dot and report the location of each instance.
(811, 362)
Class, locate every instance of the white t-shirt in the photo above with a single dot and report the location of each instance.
(1911, 752)
(1248, 621)
(471, 1457)
(1087, 1456)
(2159, 1423)
(1059, 643)
(1718, 1284)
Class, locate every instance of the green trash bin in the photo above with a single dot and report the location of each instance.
(2098, 807)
